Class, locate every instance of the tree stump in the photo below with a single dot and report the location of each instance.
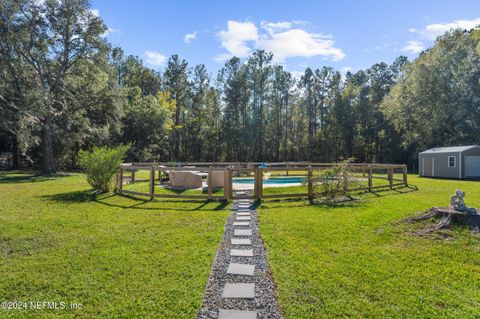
(447, 216)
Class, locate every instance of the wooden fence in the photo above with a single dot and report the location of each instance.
(390, 175)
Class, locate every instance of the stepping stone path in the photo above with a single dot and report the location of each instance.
(241, 252)
(236, 314)
(243, 214)
(241, 269)
(240, 241)
(241, 224)
(242, 232)
(240, 285)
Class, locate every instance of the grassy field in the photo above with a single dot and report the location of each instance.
(117, 256)
(358, 261)
(122, 257)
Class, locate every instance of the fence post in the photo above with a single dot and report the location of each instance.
(117, 181)
(256, 184)
(153, 166)
(152, 182)
(405, 174)
(370, 181)
(310, 183)
(230, 184)
(132, 176)
(225, 184)
(260, 183)
(287, 169)
(390, 176)
(345, 178)
(121, 179)
(209, 182)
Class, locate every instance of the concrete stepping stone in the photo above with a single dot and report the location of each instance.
(243, 218)
(241, 269)
(242, 232)
(239, 290)
(241, 224)
(237, 314)
(243, 210)
(243, 214)
(240, 241)
(241, 252)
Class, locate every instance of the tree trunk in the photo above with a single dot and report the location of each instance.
(15, 154)
(48, 164)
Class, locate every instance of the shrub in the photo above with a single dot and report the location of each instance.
(101, 164)
(334, 183)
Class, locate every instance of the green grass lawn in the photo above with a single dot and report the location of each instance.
(358, 261)
(125, 257)
(119, 257)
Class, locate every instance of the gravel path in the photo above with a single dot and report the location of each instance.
(264, 303)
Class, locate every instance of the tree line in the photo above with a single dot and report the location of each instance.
(64, 89)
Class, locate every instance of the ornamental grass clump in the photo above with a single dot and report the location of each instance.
(101, 164)
(335, 183)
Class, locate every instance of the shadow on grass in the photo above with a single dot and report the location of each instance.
(357, 200)
(187, 191)
(16, 177)
(390, 192)
(89, 196)
(72, 197)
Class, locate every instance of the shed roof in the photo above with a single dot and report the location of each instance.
(450, 149)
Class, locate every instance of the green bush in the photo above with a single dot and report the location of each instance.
(101, 164)
(334, 183)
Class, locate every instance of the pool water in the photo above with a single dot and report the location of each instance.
(271, 180)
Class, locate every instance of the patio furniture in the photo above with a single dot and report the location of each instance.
(218, 179)
(185, 179)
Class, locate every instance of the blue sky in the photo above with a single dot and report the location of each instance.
(348, 35)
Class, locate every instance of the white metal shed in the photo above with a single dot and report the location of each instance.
(450, 162)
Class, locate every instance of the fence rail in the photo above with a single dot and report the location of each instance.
(370, 174)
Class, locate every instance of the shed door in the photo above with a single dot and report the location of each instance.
(428, 169)
(472, 166)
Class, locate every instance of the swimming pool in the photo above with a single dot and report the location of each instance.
(271, 180)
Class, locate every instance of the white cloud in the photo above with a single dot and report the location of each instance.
(300, 43)
(187, 38)
(276, 26)
(280, 38)
(432, 31)
(111, 31)
(413, 47)
(95, 12)
(155, 58)
(235, 38)
(222, 57)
